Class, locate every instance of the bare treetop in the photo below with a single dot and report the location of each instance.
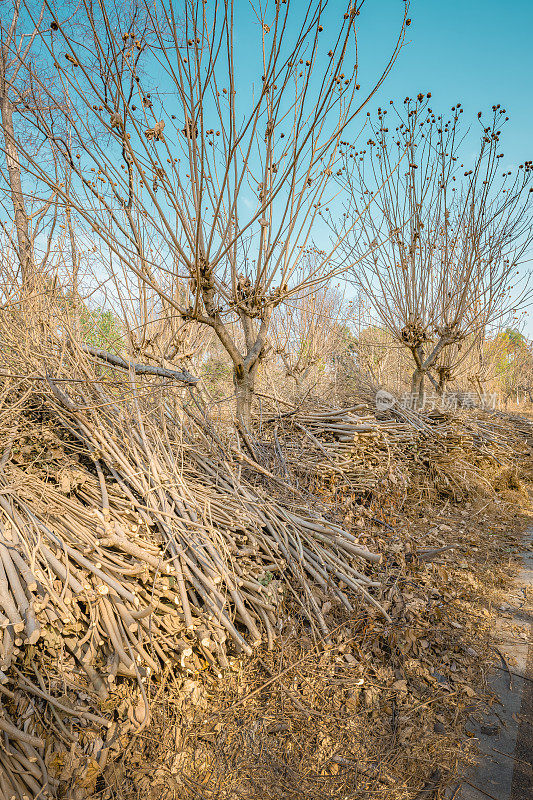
(194, 166)
(438, 253)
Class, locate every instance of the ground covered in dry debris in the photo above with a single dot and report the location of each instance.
(379, 711)
(188, 610)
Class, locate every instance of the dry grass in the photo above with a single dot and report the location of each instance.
(379, 712)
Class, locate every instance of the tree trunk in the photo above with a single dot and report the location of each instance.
(417, 388)
(74, 255)
(25, 250)
(478, 386)
(244, 367)
(244, 383)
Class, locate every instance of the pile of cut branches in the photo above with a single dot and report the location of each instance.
(364, 453)
(138, 542)
(131, 543)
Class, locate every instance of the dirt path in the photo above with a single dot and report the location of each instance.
(505, 768)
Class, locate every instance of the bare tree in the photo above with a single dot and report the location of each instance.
(437, 256)
(34, 217)
(217, 178)
(307, 328)
(375, 348)
(15, 50)
(152, 325)
(508, 359)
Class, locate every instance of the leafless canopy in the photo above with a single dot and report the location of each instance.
(437, 256)
(194, 167)
(308, 327)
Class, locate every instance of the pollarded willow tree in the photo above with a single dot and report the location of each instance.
(437, 257)
(204, 138)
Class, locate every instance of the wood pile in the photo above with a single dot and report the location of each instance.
(137, 541)
(131, 544)
(350, 446)
(358, 449)
(341, 423)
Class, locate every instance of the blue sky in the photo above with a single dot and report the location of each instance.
(477, 52)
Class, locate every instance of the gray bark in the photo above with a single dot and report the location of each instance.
(140, 369)
(244, 384)
(417, 388)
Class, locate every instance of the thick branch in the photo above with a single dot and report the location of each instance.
(140, 369)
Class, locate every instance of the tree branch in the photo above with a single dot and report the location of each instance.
(140, 369)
